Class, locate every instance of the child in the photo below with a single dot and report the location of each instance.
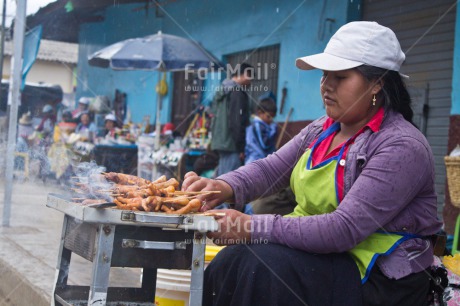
(261, 134)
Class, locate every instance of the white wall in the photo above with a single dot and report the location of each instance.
(47, 72)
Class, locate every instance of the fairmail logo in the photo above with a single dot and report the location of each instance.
(259, 72)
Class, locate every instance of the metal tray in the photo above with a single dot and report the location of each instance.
(116, 216)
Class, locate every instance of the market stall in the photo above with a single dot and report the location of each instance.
(161, 53)
(116, 158)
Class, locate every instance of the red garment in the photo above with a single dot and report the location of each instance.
(319, 154)
(52, 118)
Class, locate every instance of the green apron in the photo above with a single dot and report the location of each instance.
(316, 193)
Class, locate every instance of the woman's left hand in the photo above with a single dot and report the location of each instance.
(234, 227)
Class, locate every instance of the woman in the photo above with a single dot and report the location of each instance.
(363, 178)
(86, 127)
(25, 130)
(110, 125)
(48, 121)
(64, 128)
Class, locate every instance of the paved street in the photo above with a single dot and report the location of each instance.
(29, 248)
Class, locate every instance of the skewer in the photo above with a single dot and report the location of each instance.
(174, 199)
(195, 192)
(216, 214)
(110, 190)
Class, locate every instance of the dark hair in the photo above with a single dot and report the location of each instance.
(241, 69)
(267, 105)
(85, 113)
(394, 93)
(66, 114)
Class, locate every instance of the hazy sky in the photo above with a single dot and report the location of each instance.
(32, 7)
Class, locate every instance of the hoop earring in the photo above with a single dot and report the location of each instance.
(373, 101)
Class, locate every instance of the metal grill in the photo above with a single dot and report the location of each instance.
(115, 238)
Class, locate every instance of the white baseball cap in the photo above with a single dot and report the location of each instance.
(355, 44)
(47, 108)
(110, 117)
(84, 100)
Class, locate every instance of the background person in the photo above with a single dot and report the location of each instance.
(363, 178)
(48, 121)
(110, 125)
(83, 106)
(86, 127)
(230, 108)
(64, 128)
(43, 140)
(261, 134)
(260, 142)
(25, 130)
(60, 154)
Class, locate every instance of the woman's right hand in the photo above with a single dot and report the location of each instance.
(193, 182)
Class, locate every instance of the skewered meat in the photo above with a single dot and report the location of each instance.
(143, 193)
(126, 179)
(130, 203)
(167, 192)
(193, 206)
(134, 193)
(170, 182)
(161, 179)
(124, 188)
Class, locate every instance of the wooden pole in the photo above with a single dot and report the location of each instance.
(280, 136)
(191, 125)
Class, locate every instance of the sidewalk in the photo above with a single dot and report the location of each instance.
(29, 249)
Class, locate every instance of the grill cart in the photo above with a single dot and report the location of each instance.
(110, 237)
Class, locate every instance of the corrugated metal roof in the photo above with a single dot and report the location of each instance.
(53, 51)
(61, 23)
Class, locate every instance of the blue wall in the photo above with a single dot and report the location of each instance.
(456, 69)
(222, 27)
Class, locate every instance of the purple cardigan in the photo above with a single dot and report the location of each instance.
(389, 184)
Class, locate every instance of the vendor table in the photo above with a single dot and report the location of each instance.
(116, 238)
(116, 158)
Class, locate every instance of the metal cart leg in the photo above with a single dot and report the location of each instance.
(101, 265)
(62, 267)
(149, 284)
(196, 279)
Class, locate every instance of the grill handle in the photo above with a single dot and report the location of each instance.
(151, 218)
(153, 245)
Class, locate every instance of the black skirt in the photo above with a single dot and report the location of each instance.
(271, 274)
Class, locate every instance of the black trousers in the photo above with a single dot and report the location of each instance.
(411, 290)
(271, 274)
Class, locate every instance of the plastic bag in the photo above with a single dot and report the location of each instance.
(455, 151)
(452, 263)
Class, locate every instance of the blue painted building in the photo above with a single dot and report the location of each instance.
(275, 32)
(222, 27)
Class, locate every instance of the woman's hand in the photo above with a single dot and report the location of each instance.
(193, 182)
(234, 227)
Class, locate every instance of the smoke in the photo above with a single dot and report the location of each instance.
(90, 182)
(37, 159)
(30, 159)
